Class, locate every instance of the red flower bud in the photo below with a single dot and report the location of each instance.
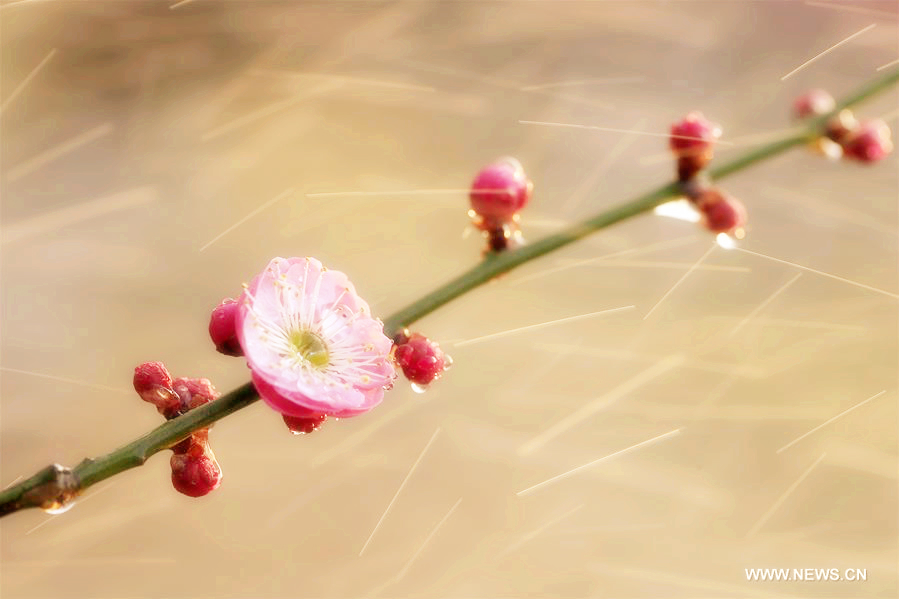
(693, 141)
(421, 359)
(721, 213)
(222, 328)
(693, 135)
(194, 392)
(499, 192)
(870, 142)
(153, 383)
(195, 475)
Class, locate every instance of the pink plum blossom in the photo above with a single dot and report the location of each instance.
(311, 343)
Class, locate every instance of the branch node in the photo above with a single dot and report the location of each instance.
(57, 491)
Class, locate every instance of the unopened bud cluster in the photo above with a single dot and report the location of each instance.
(195, 471)
(844, 136)
(692, 141)
(498, 194)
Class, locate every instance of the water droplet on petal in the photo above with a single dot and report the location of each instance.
(447, 362)
(419, 388)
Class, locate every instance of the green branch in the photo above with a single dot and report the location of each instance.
(56, 485)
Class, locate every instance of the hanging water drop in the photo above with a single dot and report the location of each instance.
(58, 507)
(447, 362)
(725, 241)
(418, 388)
(679, 209)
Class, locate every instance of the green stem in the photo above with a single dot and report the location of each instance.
(55, 485)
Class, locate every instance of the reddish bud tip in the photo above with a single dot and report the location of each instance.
(222, 328)
(695, 135)
(151, 374)
(153, 383)
(194, 392)
(721, 213)
(421, 359)
(195, 475)
(814, 102)
(304, 425)
(870, 142)
(499, 192)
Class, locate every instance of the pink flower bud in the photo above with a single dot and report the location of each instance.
(223, 328)
(815, 102)
(304, 425)
(153, 383)
(421, 359)
(195, 475)
(499, 192)
(694, 135)
(869, 143)
(721, 213)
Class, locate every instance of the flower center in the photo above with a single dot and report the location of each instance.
(310, 347)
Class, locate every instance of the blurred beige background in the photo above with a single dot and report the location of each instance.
(148, 130)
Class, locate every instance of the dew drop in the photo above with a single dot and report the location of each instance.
(59, 507)
(679, 209)
(725, 241)
(447, 362)
(419, 388)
